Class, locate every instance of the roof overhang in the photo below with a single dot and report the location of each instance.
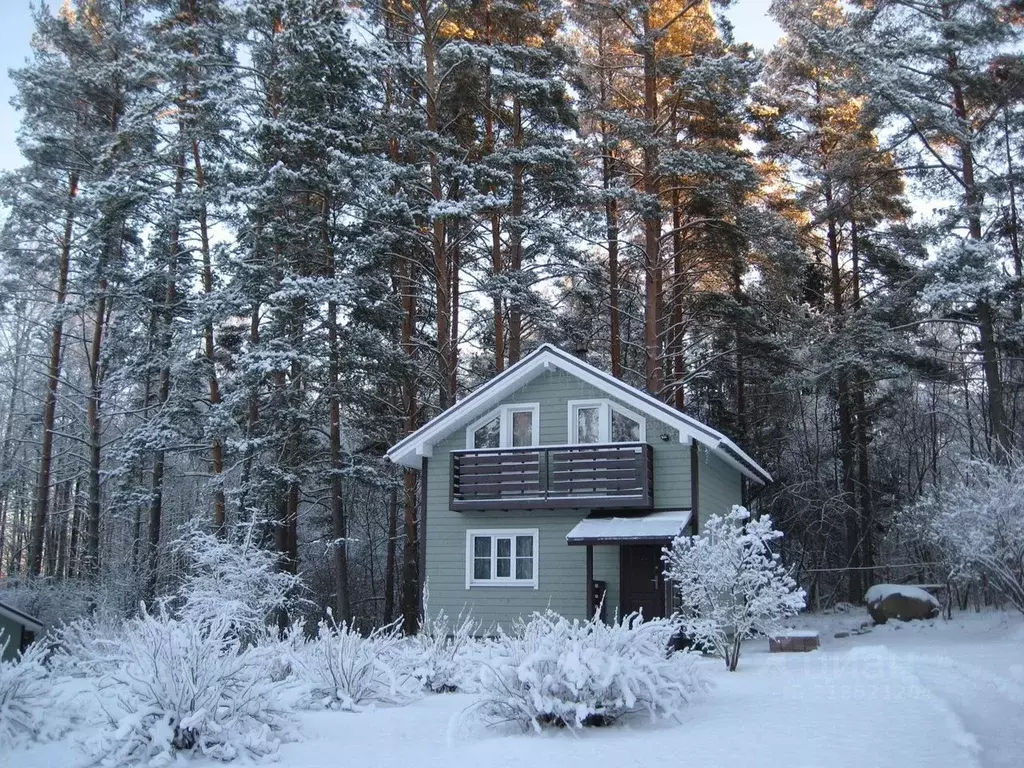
(411, 450)
(32, 624)
(653, 528)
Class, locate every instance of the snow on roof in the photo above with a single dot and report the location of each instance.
(410, 450)
(879, 592)
(24, 619)
(657, 526)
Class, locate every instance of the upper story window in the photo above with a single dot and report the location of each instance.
(510, 426)
(601, 421)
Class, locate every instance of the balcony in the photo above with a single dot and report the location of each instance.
(614, 475)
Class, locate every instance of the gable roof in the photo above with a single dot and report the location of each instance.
(411, 449)
(33, 625)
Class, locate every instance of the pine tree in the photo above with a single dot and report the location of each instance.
(851, 191)
(925, 67)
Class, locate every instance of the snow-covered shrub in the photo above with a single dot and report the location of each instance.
(180, 687)
(977, 526)
(731, 585)
(86, 647)
(233, 577)
(29, 708)
(443, 656)
(553, 671)
(343, 669)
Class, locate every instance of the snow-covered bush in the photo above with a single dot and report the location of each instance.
(343, 669)
(977, 526)
(29, 708)
(233, 577)
(181, 687)
(86, 647)
(443, 656)
(553, 671)
(731, 585)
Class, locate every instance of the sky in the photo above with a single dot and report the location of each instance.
(749, 18)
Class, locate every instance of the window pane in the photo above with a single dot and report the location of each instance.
(522, 428)
(524, 546)
(524, 557)
(482, 546)
(587, 424)
(482, 557)
(503, 563)
(488, 435)
(524, 568)
(481, 568)
(624, 429)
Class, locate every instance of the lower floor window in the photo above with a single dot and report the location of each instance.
(498, 558)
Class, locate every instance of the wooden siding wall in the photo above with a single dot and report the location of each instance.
(10, 631)
(562, 569)
(719, 486)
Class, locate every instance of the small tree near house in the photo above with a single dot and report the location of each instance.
(730, 583)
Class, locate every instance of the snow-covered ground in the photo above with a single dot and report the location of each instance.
(930, 694)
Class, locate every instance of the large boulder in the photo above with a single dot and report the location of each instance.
(900, 601)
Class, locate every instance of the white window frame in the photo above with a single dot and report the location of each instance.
(504, 413)
(604, 419)
(502, 533)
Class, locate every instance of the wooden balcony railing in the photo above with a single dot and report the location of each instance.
(589, 476)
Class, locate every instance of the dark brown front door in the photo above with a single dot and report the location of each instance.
(641, 584)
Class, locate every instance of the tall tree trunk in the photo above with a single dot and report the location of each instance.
(209, 344)
(651, 186)
(515, 236)
(410, 554)
(94, 403)
(676, 336)
(410, 571)
(252, 421)
(973, 198)
(42, 501)
(339, 524)
(611, 212)
(863, 430)
(391, 558)
(497, 265)
(845, 416)
(439, 234)
(166, 334)
(741, 379)
(7, 449)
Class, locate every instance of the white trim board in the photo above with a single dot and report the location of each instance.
(490, 395)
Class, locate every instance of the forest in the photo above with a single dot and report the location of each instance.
(254, 243)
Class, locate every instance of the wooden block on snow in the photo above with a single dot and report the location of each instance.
(794, 642)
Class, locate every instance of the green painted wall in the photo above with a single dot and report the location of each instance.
(10, 630)
(719, 485)
(561, 568)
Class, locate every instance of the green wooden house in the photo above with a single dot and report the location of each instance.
(17, 629)
(556, 485)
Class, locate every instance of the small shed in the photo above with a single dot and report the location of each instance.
(17, 629)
